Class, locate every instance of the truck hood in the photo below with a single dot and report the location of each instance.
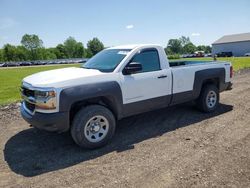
(62, 77)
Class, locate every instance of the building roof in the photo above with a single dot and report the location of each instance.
(233, 38)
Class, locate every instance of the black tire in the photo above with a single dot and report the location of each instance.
(80, 122)
(202, 101)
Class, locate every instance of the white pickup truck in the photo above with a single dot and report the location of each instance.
(116, 83)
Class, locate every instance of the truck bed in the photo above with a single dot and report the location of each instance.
(176, 63)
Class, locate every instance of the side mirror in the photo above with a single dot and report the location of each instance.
(132, 67)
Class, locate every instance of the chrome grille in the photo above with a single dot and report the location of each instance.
(29, 106)
(27, 92)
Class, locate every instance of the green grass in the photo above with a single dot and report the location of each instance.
(237, 62)
(10, 78)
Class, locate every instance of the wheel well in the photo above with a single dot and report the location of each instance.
(103, 101)
(214, 81)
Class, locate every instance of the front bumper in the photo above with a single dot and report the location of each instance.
(58, 121)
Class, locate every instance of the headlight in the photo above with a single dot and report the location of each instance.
(45, 94)
(45, 100)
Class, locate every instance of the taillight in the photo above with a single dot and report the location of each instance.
(231, 71)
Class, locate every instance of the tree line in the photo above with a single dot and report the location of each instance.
(183, 45)
(32, 48)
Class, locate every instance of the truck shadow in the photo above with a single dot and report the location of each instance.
(32, 152)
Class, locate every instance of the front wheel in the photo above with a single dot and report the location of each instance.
(93, 126)
(209, 98)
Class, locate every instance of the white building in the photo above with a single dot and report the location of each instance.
(238, 44)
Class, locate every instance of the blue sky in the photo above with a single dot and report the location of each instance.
(118, 22)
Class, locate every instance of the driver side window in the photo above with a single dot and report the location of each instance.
(149, 60)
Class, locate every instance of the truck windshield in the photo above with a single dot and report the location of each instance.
(106, 60)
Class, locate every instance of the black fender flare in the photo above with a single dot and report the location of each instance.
(110, 90)
(205, 75)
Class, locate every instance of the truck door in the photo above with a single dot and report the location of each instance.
(150, 86)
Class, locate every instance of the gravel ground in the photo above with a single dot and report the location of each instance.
(174, 147)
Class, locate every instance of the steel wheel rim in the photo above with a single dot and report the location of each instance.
(96, 128)
(211, 99)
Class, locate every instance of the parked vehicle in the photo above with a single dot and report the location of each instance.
(208, 55)
(247, 54)
(25, 63)
(225, 54)
(38, 63)
(184, 56)
(51, 62)
(199, 53)
(12, 64)
(2, 64)
(116, 83)
(35, 62)
(191, 55)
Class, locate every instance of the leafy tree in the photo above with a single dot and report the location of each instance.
(52, 53)
(73, 48)
(60, 51)
(1, 55)
(206, 49)
(184, 40)
(189, 48)
(174, 46)
(201, 47)
(21, 53)
(88, 53)
(168, 51)
(69, 46)
(43, 53)
(9, 52)
(14, 53)
(94, 46)
(32, 43)
(79, 50)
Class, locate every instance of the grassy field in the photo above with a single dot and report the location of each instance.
(10, 78)
(238, 62)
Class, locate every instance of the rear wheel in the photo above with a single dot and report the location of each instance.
(93, 126)
(209, 98)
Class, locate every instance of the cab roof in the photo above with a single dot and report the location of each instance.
(133, 46)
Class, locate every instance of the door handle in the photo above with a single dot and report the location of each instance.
(162, 76)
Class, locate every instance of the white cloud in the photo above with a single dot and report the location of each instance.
(195, 34)
(130, 26)
(6, 23)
